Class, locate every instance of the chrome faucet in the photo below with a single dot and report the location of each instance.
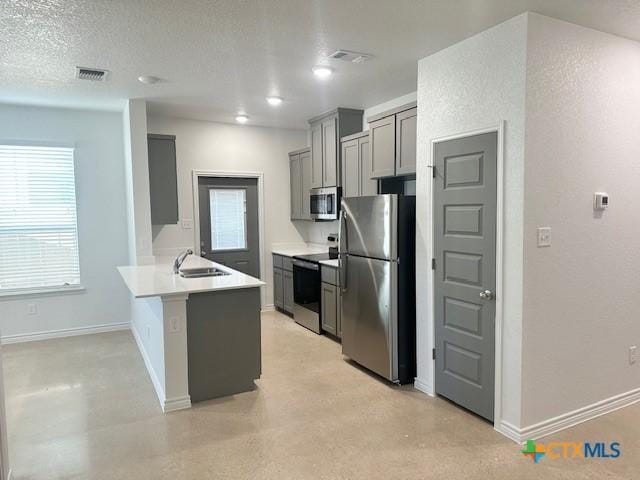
(180, 260)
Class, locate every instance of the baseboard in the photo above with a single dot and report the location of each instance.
(424, 387)
(157, 386)
(569, 419)
(176, 404)
(269, 308)
(65, 332)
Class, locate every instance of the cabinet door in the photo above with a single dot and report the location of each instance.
(368, 185)
(316, 155)
(328, 308)
(350, 169)
(287, 281)
(305, 168)
(406, 137)
(163, 179)
(278, 288)
(382, 134)
(330, 152)
(295, 187)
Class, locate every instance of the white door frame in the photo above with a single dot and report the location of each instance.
(499, 129)
(196, 174)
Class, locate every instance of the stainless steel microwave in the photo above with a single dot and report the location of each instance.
(325, 203)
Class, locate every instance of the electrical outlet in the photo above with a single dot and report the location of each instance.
(148, 332)
(633, 354)
(187, 224)
(32, 309)
(174, 324)
(544, 236)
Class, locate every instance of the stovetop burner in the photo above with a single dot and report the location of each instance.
(316, 257)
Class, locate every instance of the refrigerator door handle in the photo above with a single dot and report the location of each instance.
(343, 261)
(343, 239)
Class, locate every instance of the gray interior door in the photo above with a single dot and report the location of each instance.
(464, 210)
(368, 312)
(229, 231)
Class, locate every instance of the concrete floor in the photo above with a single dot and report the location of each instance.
(84, 407)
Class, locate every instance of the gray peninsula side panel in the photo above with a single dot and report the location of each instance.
(223, 342)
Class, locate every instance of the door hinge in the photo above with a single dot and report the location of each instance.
(433, 169)
(433, 264)
(433, 353)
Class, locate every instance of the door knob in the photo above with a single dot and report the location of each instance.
(487, 295)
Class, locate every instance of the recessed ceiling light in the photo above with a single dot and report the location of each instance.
(148, 79)
(274, 101)
(242, 118)
(322, 71)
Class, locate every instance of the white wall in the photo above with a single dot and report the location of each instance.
(134, 120)
(582, 294)
(472, 85)
(102, 223)
(234, 148)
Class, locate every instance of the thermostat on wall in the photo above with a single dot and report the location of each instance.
(600, 200)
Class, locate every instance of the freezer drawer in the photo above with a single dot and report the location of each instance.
(369, 314)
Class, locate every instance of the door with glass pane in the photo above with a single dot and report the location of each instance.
(229, 222)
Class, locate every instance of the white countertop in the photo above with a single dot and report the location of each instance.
(301, 249)
(158, 279)
(331, 263)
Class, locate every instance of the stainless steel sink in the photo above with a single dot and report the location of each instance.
(202, 272)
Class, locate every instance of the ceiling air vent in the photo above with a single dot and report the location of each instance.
(93, 74)
(350, 56)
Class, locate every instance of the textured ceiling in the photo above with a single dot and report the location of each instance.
(217, 58)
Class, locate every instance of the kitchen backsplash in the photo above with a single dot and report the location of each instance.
(317, 232)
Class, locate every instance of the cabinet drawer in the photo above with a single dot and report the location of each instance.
(287, 264)
(277, 261)
(329, 275)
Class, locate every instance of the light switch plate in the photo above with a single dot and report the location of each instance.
(633, 354)
(544, 236)
(32, 309)
(187, 224)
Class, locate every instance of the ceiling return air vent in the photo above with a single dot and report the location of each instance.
(92, 74)
(350, 56)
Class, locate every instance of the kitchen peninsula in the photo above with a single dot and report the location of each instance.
(199, 337)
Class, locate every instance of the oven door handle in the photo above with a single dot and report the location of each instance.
(307, 265)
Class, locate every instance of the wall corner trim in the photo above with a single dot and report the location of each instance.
(423, 387)
(569, 419)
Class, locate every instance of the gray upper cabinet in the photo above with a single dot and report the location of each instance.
(330, 152)
(163, 179)
(326, 154)
(295, 189)
(383, 147)
(406, 136)
(316, 155)
(368, 185)
(393, 142)
(300, 181)
(356, 166)
(350, 168)
(306, 169)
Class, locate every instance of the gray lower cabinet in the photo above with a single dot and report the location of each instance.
(326, 131)
(393, 142)
(278, 288)
(329, 309)
(287, 279)
(330, 301)
(283, 283)
(300, 171)
(356, 166)
(163, 179)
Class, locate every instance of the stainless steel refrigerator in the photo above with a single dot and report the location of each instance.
(377, 281)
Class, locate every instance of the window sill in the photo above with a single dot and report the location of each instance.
(50, 291)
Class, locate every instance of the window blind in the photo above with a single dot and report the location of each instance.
(228, 219)
(38, 228)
